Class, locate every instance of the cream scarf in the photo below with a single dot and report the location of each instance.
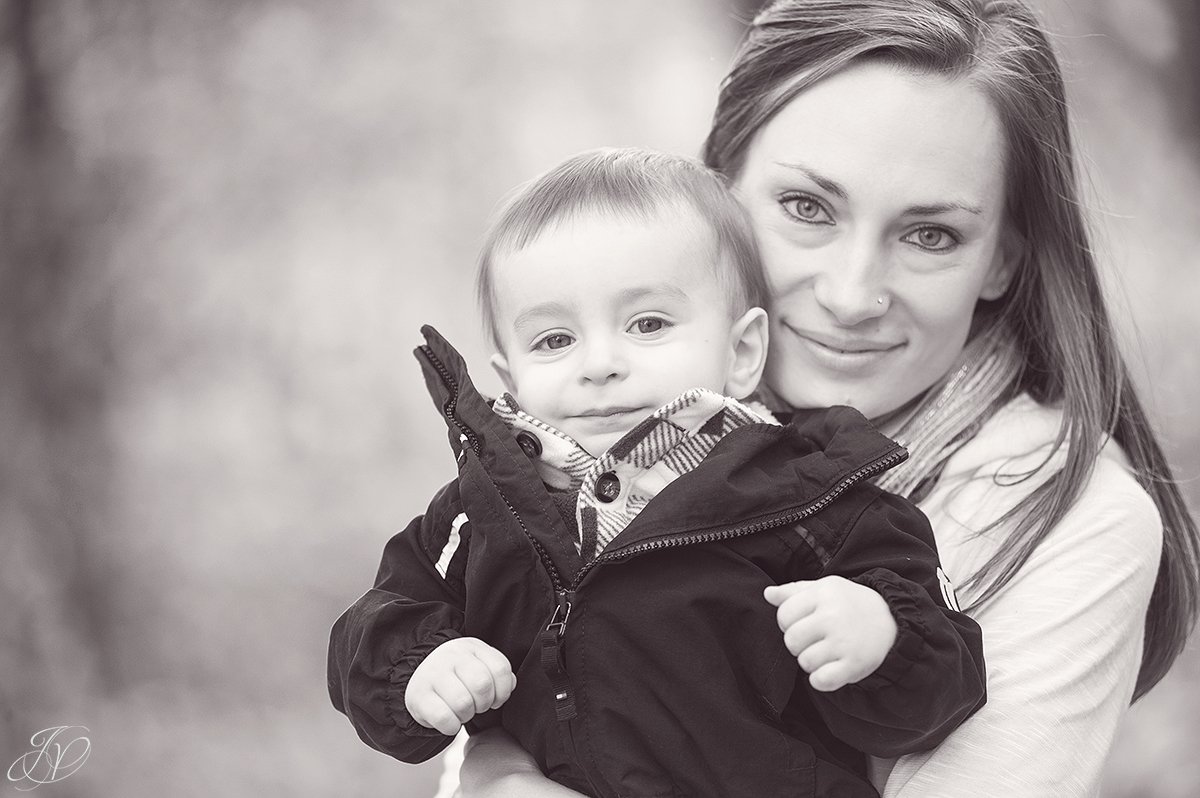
(951, 412)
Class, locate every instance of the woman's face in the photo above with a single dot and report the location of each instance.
(877, 196)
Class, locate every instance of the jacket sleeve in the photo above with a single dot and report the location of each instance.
(933, 677)
(415, 605)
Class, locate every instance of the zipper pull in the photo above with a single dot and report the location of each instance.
(552, 657)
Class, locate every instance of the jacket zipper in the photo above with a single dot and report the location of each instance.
(882, 463)
(448, 407)
(550, 638)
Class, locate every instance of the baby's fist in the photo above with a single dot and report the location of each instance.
(839, 631)
(455, 682)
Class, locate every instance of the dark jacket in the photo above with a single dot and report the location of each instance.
(657, 668)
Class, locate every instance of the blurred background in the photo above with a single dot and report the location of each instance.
(221, 224)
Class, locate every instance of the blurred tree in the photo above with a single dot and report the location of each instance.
(54, 491)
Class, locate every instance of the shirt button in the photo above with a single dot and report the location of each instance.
(529, 444)
(608, 487)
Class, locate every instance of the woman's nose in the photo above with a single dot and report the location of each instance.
(603, 361)
(852, 287)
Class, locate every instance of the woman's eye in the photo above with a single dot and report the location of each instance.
(556, 341)
(806, 209)
(934, 239)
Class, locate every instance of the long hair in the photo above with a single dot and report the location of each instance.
(1054, 308)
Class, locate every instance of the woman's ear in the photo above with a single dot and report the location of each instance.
(1010, 250)
(749, 340)
(500, 366)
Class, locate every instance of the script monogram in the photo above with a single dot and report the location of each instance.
(57, 753)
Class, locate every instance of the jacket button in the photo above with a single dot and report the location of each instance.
(529, 444)
(608, 487)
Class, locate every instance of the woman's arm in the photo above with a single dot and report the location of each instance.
(495, 766)
(1062, 643)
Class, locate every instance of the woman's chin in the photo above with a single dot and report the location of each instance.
(866, 399)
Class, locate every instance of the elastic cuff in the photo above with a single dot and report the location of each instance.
(905, 604)
(399, 675)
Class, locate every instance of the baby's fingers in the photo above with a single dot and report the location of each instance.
(829, 677)
(801, 635)
(794, 601)
(476, 678)
(816, 656)
(431, 711)
(504, 681)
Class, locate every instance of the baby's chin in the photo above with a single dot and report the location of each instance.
(598, 444)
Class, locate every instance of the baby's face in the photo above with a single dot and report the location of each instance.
(605, 320)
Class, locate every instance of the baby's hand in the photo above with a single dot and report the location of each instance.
(455, 682)
(838, 630)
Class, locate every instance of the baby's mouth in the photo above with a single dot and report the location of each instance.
(608, 412)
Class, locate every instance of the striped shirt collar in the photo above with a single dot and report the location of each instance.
(614, 486)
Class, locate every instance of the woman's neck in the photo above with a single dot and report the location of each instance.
(892, 422)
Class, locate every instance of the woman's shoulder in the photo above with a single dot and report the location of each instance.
(1016, 451)
(1019, 436)
(1021, 440)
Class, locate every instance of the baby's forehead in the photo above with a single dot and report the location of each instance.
(602, 261)
(667, 247)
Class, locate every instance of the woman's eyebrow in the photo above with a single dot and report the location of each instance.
(835, 188)
(832, 186)
(941, 207)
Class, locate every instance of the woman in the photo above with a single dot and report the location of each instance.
(908, 169)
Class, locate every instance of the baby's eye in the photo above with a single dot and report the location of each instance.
(649, 325)
(806, 208)
(555, 341)
(932, 239)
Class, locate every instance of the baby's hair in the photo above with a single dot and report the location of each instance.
(628, 183)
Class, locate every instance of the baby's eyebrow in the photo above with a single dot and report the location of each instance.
(555, 309)
(528, 315)
(664, 290)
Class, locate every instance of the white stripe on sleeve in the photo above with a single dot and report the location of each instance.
(451, 546)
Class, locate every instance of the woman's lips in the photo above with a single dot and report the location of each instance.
(844, 354)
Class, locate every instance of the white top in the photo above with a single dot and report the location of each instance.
(1062, 641)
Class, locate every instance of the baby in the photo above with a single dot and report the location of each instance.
(594, 579)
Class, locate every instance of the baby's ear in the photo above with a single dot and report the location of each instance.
(500, 365)
(748, 337)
